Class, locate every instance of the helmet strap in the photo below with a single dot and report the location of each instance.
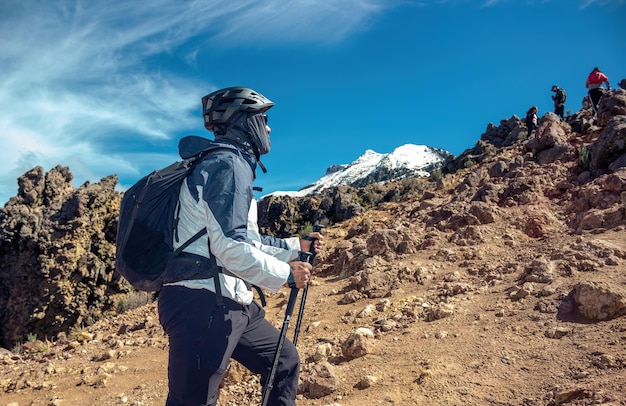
(258, 157)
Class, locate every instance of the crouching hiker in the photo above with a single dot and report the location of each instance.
(531, 120)
(206, 303)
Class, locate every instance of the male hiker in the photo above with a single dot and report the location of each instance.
(209, 320)
(594, 84)
(559, 98)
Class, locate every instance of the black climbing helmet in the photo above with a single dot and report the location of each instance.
(220, 106)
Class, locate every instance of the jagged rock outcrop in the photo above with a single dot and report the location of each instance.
(57, 249)
(284, 216)
(609, 151)
(554, 138)
(612, 105)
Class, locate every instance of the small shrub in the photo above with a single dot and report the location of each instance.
(491, 149)
(371, 196)
(584, 156)
(76, 332)
(17, 349)
(133, 300)
(306, 229)
(41, 347)
(436, 175)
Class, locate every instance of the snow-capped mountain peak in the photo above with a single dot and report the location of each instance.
(412, 157)
(372, 167)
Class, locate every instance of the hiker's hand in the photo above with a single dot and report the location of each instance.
(317, 239)
(301, 273)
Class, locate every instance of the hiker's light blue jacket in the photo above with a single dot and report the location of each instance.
(218, 195)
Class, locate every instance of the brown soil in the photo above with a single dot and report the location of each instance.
(496, 348)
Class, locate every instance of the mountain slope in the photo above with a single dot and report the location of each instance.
(502, 284)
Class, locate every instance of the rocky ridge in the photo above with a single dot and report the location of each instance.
(501, 282)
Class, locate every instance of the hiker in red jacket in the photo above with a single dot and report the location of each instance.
(594, 84)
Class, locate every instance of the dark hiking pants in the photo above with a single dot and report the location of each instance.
(203, 337)
(559, 110)
(595, 95)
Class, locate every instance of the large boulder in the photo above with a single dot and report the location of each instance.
(612, 104)
(609, 151)
(599, 300)
(57, 246)
(551, 142)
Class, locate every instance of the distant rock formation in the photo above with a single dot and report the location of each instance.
(57, 246)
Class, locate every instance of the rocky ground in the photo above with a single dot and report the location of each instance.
(461, 327)
(502, 284)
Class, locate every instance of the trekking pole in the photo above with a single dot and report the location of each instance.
(316, 228)
(293, 296)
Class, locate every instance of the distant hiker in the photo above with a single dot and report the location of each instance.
(594, 84)
(622, 84)
(531, 120)
(559, 98)
(206, 305)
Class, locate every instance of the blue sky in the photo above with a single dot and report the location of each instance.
(110, 87)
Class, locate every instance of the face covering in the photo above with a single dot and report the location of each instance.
(250, 131)
(257, 125)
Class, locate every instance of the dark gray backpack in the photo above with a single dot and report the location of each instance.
(147, 223)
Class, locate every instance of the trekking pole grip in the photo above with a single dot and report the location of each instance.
(317, 228)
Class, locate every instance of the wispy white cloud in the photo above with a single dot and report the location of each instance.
(288, 21)
(587, 3)
(78, 77)
(490, 3)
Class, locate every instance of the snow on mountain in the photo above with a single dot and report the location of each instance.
(373, 167)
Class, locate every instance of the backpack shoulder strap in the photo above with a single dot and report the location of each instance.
(190, 241)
